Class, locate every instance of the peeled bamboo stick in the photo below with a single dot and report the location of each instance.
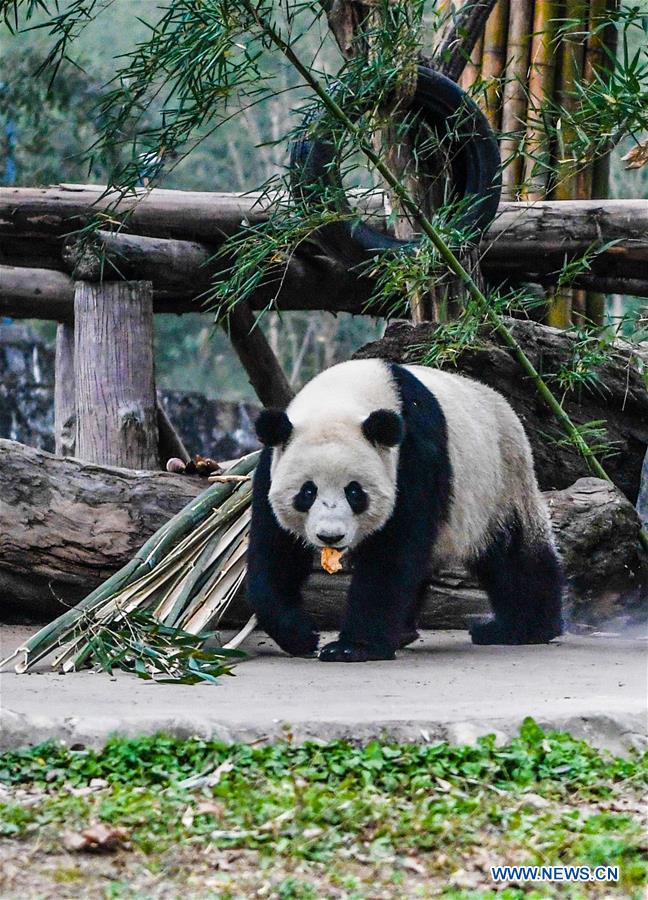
(514, 94)
(541, 83)
(494, 61)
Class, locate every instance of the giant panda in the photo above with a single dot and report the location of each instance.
(406, 468)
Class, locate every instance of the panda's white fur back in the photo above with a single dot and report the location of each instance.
(491, 459)
(485, 437)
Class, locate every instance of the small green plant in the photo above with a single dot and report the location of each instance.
(313, 816)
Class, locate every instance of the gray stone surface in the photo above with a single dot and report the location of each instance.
(442, 688)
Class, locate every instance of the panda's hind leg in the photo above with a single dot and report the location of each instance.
(410, 632)
(523, 580)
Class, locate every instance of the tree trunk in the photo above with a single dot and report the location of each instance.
(65, 526)
(618, 395)
(114, 376)
(259, 361)
(64, 407)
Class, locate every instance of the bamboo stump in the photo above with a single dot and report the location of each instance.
(114, 375)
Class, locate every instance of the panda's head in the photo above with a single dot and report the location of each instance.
(333, 483)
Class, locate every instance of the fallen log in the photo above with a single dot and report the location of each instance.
(616, 394)
(66, 526)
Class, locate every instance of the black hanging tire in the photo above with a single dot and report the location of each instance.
(475, 163)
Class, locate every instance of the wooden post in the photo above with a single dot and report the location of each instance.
(64, 406)
(114, 375)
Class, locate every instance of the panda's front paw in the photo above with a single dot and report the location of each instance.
(295, 632)
(346, 651)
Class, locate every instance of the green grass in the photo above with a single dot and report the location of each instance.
(334, 819)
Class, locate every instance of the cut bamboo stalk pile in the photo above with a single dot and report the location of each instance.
(183, 578)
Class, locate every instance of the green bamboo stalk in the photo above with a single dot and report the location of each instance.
(444, 251)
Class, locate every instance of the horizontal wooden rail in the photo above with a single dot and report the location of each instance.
(527, 242)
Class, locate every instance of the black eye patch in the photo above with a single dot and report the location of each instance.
(356, 497)
(305, 498)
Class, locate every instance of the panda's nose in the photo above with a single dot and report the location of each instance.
(329, 539)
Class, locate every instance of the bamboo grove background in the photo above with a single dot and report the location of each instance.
(534, 56)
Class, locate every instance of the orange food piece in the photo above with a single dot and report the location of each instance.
(330, 559)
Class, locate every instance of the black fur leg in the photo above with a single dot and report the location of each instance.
(410, 631)
(407, 638)
(524, 585)
(345, 651)
(278, 566)
(295, 632)
(391, 564)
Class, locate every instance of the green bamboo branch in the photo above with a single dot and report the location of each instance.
(442, 248)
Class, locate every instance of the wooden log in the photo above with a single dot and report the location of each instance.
(532, 241)
(64, 406)
(68, 525)
(526, 242)
(65, 526)
(555, 227)
(622, 403)
(190, 215)
(36, 294)
(115, 397)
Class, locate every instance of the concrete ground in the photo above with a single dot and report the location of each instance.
(441, 688)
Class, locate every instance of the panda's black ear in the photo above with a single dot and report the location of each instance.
(384, 427)
(273, 427)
